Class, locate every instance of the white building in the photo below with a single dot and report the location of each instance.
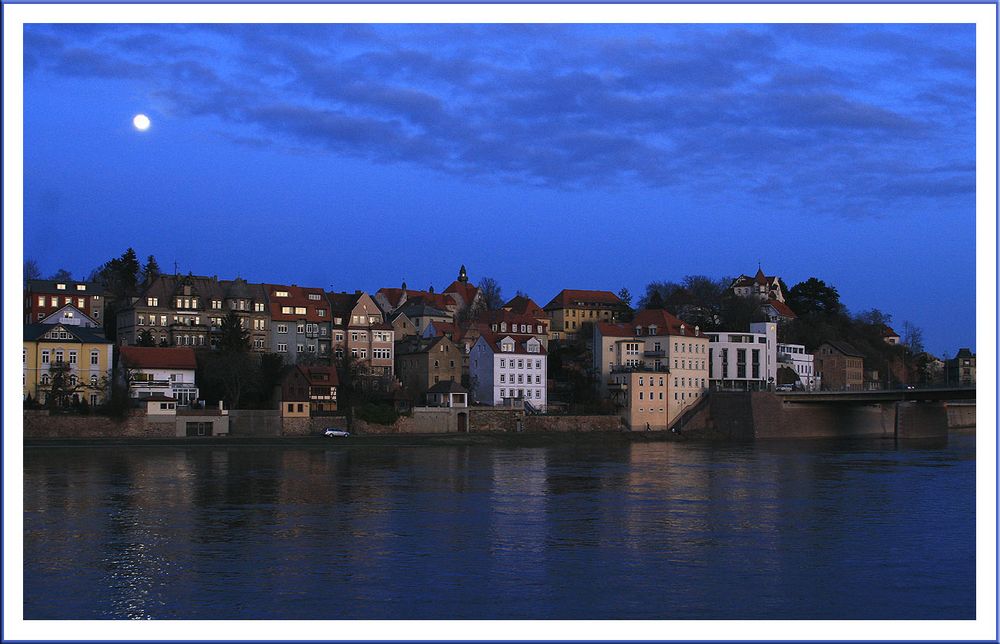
(71, 316)
(744, 361)
(168, 371)
(795, 357)
(508, 369)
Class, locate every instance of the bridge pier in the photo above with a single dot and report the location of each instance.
(921, 420)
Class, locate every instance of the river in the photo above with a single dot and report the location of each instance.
(646, 530)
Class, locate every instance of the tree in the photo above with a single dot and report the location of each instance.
(150, 271)
(63, 386)
(625, 296)
(490, 290)
(913, 338)
(234, 337)
(145, 339)
(664, 289)
(31, 271)
(875, 318)
(62, 275)
(814, 297)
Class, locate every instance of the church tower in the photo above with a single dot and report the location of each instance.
(463, 277)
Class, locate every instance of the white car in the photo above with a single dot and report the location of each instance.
(338, 433)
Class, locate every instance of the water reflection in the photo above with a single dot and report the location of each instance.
(640, 530)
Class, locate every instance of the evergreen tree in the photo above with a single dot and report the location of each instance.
(234, 338)
(145, 339)
(150, 271)
(62, 275)
(31, 271)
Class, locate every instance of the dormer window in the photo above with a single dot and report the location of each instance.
(60, 287)
(638, 330)
(313, 296)
(652, 329)
(281, 294)
(503, 326)
(507, 347)
(81, 287)
(682, 330)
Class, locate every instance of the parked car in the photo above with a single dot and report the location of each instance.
(785, 388)
(336, 432)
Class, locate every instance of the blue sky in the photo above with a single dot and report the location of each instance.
(545, 156)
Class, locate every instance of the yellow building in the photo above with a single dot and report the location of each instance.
(643, 397)
(573, 310)
(72, 362)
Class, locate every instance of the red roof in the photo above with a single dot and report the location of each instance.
(887, 332)
(510, 317)
(159, 357)
(466, 290)
(524, 305)
(781, 308)
(394, 297)
(569, 297)
(320, 375)
(665, 323)
(298, 296)
(520, 342)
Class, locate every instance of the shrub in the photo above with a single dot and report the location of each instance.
(376, 413)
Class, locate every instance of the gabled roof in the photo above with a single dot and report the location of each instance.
(298, 296)
(49, 287)
(965, 352)
(90, 335)
(570, 297)
(394, 296)
(159, 357)
(887, 332)
(467, 291)
(844, 348)
(510, 317)
(781, 308)
(447, 387)
(520, 342)
(449, 329)
(524, 305)
(56, 317)
(419, 308)
(665, 323)
(165, 287)
(319, 375)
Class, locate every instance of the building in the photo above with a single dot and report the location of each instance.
(763, 287)
(744, 361)
(70, 315)
(654, 343)
(249, 303)
(422, 363)
(361, 334)
(402, 326)
(506, 369)
(308, 390)
(468, 296)
(42, 298)
(421, 315)
(507, 321)
(796, 358)
(889, 336)
(389, 300)
(524, 305)
(176, 310)
(961, 370)
(72, 362)
(301, 323)
(167, 371)
(447, 393)
(643, 398)
(767, 289)
(571, 309)
(840, 366)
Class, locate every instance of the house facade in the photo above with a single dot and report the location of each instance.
(174, 309)
(654, 344)
(42, 298)
(301, 323)
(571, 309)
(168, 371)
(70, 315)
(840, 366)
(961, 370)
(308, 390)
(361, 335)
(741, 361)
(82, 355)
(509, 369)
(422, 363)
(796, 358)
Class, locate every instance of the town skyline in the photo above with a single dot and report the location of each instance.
(544, 156)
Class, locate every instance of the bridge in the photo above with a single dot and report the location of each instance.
(929, 394)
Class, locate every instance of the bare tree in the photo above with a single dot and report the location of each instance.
(490, 289)
(913, 338)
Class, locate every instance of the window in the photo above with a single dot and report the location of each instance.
(503, 378)
(152, 301)
(282, 328)
(281, 294)
(60, 287)
(321, 313)
(503, 393)
(59, 356)
(216, 304)
(520, 364)
(300, 310)
(258, 343)
(538, 364)
(258, 307)
(286, 310)
(41, 300)
(55, 301)
(45, 378)
(72, 357)
(538, 379)
(503, 362)
(45, 357)
(314, 296)
(140, 320)
(298, 348)
(163, 321)
(300, 328)
(80, 303)
(282, 348)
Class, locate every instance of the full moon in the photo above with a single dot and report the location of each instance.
(141, 122)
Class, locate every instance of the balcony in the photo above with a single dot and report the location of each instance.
(617, 386)
(654, 353)
(640, 368)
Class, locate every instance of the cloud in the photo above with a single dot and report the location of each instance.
(783, 112)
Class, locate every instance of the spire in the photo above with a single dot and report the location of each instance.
(760, 278)
(463, 277)
(404, 284)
